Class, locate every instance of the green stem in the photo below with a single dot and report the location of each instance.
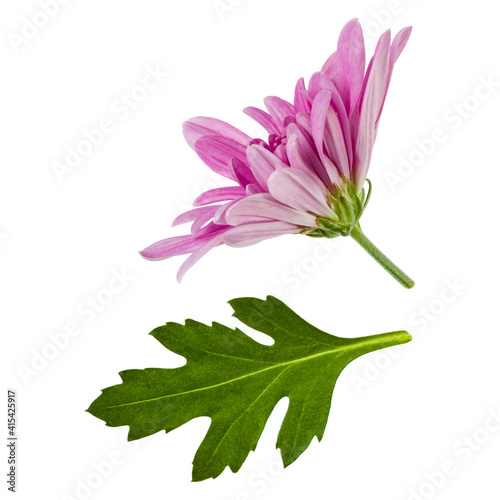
(386, 263)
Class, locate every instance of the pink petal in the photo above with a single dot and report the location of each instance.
(372, 101)
(279, 109)
(397, 46)
(289, 119)
(280, 152)
(300, 101)
(263, 206)
(334, 142)
(350, 67)
(320, 81)
(264, 119)
(197, 255)
(297, 190)
(254, 189)
(169, 247)
(197, 127)
(217, 151)
(319, 114)
(304, 120)
(190, 215)
(249, 234)
(303, 156)
(202, 219)
(219, 194)
(220, 213)
(263, 163)
(241, 172)
(330, 65)
(210, 229)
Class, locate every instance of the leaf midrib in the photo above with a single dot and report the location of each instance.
(251, 374)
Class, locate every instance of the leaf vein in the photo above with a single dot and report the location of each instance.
(248, 408)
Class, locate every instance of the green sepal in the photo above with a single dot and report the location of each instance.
(347, 206)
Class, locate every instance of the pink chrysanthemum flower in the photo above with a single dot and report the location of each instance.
(308, 177)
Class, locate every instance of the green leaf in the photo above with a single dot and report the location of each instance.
(237, 382)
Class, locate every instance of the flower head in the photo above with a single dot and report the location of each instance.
(308, 177)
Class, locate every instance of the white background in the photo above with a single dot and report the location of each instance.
(396, 416)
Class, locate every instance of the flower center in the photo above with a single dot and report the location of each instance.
(277, 140)
(274, 141)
